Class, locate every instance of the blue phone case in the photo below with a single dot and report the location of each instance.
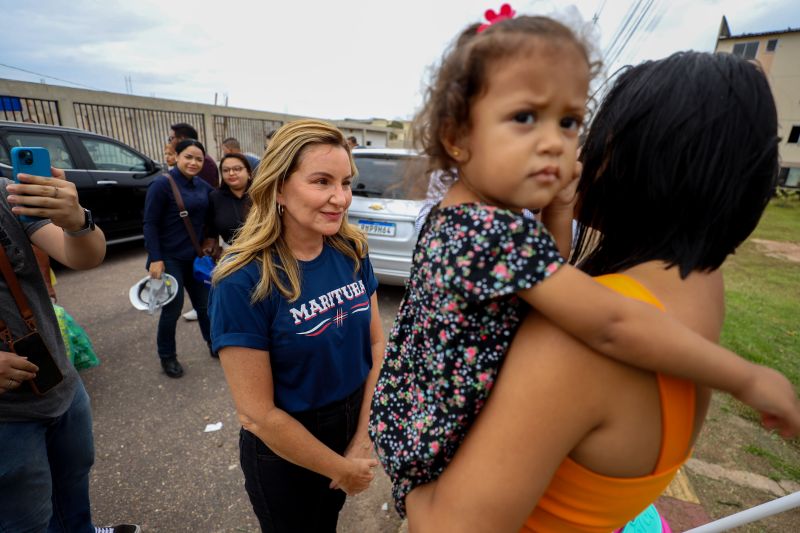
(29, 160)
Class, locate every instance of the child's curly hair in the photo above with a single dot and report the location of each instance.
(461, 78)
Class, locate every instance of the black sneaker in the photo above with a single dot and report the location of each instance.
(172, 367)
(122, 528)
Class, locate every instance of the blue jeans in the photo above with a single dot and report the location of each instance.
(44, 472)
(287, 498)
(170, 313)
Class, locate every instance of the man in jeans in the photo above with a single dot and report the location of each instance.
(46, 444)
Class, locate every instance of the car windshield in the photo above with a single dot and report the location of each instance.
(388, 176)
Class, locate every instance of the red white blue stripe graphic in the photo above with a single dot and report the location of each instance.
(337, 319)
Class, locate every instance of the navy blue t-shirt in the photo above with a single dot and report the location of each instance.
(319, 345)
(165, 234)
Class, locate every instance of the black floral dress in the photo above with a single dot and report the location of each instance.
(455, 324)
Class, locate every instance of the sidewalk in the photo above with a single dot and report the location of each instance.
(683, 510)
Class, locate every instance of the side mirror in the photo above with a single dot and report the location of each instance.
(150, 168)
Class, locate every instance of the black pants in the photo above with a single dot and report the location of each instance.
(290, 499)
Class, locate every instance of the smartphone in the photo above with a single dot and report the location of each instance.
(29, 160)
(33, 347)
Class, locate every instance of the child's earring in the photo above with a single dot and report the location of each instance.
(456, 153)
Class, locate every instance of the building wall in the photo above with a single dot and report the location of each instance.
(143, 122)
(782, 67)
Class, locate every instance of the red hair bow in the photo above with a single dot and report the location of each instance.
(493, 18)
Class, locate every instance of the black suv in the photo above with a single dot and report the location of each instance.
(111, 177)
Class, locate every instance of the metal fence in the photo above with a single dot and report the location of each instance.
(146, 130)
(35, 110)
(250, 132)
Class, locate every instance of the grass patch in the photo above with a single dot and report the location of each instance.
(784, 469)
(763, 296)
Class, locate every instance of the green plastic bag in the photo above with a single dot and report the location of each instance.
(76, 341)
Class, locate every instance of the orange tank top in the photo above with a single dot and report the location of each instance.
(580, 500)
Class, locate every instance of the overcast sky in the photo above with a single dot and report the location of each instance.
(331, 59)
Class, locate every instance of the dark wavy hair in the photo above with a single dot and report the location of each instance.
(679, 164)
(245, 163)
(462, 77)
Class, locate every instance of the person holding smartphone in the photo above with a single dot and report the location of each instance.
(46, 444)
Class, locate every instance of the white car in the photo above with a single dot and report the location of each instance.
(386, 202)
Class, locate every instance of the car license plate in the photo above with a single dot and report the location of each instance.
(373, 227)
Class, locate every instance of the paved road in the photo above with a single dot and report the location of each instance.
(155, 465)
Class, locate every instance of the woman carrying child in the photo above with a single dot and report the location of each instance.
(504, 111)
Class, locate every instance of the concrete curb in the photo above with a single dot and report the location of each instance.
(742, 478)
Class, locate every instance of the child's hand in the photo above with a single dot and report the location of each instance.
(356, 477)
(566, 197)
(360, 447)
(771, 394)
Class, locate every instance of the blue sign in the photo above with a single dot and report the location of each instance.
(10, 103)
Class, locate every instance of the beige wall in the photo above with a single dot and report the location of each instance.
(67, 97)
(782, 67)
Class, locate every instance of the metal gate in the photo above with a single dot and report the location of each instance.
(147, 130)
(34, 110)
(250, 132)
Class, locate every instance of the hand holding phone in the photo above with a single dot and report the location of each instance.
(29, 160)
(33, 347)
(15, 370)
(41, 191)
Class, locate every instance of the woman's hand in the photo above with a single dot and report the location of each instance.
(356, 476)
(156, 269)
(15, 369)
(54, 198)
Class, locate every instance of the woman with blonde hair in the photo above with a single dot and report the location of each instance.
(295, 319)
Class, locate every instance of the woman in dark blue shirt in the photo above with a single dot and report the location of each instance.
(228, 205)
(295, 319)
(170, 249)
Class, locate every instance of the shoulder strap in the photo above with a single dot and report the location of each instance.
(184, 214)
(19, 297)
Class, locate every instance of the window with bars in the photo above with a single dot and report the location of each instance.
(145, 130)
(250, 132)
(20, 109)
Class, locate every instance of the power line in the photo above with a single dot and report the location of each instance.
(659, 10)
(50, 77)
(633, 30)
(598, 12)
(625, 37)
(622, 27)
